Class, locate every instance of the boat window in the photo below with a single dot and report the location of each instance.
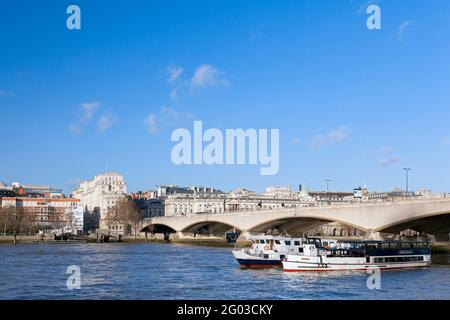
(406, 245)
(326, 244)
(288, 243)
(262, 241)
(277, 242)
(300, 250)
(394, 245)
(297, 243)
(257, 241)
(385, 245)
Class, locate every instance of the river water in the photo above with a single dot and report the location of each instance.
(166, 271)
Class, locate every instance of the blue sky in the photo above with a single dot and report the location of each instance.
(352, 105)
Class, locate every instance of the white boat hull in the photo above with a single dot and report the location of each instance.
(324, 264)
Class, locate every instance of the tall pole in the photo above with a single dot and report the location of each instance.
(328, 184)
(407, 170)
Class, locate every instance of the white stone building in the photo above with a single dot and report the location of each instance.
(101, 194)
(238, 200)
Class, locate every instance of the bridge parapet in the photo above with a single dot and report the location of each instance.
(371, 217)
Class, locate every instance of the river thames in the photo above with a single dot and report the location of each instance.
(171, 272)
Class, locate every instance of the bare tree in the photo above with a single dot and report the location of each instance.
(4, 220)
(125, 213)
(15, 220)
(135, 217)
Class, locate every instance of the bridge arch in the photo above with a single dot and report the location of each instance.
(159, 228)
(438, 223)
(299, 224)
(210, 226)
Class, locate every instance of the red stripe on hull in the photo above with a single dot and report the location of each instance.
(365, 269)
(329, 270)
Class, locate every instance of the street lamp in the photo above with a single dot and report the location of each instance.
(328, 184)
(407, 170)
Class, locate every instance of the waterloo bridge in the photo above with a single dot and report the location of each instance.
(429, 216)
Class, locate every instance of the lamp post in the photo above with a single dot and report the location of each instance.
(328, 184)
(407, 170)
(328, 198)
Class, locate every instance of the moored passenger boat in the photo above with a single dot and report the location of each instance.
(360, 256)
(269, 251)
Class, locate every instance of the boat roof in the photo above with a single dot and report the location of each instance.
(281, 238)
(384, 241)
(286, 238)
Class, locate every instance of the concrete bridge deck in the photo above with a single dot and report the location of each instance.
(426, 215)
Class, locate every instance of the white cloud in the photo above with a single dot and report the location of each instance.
(85, 116)
(174, 73)
(204, 76)
(170, 113)
(384, 156)
(75, 129)
(166, 117)
(405, 25)
(151, 123)
(389, 161)
(335, 136)
(88, 111)
(207, 76)
(384, 150)
(106, 121)
(173, 94)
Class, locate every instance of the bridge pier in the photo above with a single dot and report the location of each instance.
(177, 236)
(244, 236)
(442, 237)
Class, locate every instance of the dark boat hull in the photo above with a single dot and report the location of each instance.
(259, 264)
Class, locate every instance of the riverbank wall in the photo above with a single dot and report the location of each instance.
(437, 248)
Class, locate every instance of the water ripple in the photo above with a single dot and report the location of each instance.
(142, 272)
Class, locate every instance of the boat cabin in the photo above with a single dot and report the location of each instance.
(376, 248)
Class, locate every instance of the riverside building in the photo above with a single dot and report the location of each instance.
(46, 207)
(99, 195)
(207, 201)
